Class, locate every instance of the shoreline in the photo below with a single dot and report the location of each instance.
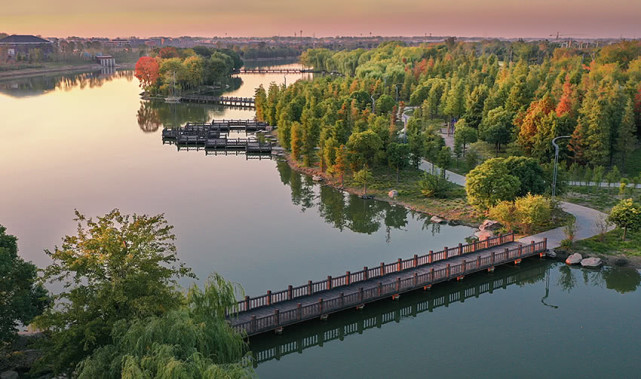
(334, 183)
(66, 69)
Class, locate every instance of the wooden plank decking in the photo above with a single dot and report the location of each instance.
(319, 299)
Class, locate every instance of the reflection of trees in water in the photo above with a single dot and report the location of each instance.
(620, 279)
(341, 210)
(148, 118)
(66, 82)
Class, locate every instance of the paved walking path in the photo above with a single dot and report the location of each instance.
(588, 220)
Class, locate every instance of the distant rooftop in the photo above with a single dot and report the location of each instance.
(27, 39)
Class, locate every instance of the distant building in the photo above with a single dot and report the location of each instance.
(24, 47)
(106, 60)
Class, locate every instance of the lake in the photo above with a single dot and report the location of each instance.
(88, 142)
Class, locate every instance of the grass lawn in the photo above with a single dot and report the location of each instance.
(603, 198)
(611, 244)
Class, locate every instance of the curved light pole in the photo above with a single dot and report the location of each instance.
(556, 163)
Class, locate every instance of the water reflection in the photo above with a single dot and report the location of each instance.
(346, 211)
(41, 85)
(620, 279)
(296, 339)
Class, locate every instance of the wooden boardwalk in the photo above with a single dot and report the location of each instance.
(241, 102)
(273, 311)
(214, 136)
(275, 71)
(337, 328)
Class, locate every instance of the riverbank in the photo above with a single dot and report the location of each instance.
(58, 69)
(455, 210)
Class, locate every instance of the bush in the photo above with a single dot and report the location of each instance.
(434, 186)
(526, 214)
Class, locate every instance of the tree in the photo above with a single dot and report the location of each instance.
(193, 341)
(117, 267)
(363, 177)
(398, 156)
(464, 134)
(530, 174)
(626, 141)
(147, 71)
(296, 140)
(489, 183)
(626, 215)
(21, 297)
(363, 147)
(340, 166)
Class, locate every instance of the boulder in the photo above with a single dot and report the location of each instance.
(574, 259)
(392, 194)
(591, 262)
(551, 254)
(484, 234)
(490, 225)
(437, 220)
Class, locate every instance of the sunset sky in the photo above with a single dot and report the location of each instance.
(500, 18)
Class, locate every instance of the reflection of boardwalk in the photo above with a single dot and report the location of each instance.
(318, 299)
(241, 102)
(299, 339)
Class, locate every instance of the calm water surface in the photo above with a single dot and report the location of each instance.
(87, 142)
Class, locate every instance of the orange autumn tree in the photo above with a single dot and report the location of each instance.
(147, 71)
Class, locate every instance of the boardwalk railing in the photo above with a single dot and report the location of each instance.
(268, 349)
(350, 278)
(225, 100)
(261, 324)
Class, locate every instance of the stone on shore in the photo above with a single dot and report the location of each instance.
(591, 262)
(490, 225)
(484, 234)
(574, 259)
(392, 194)
(437, 220)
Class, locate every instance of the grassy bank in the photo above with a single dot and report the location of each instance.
(602, 198)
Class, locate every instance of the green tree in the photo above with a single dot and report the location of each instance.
(490, 183)
(363, 177)
(530, 174)
(296, 140)
(398, 155)
(363, 147)
(627, 216)
(434, 185)
(194, 341)
(613, 176)
(464, 134)
(626, 141)
(117, 267)
(21, 297)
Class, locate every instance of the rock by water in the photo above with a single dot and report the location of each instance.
(574, 259)
(437, 220)
(490, 225)
(591, 262)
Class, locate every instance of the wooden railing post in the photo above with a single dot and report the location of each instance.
(382, 269)
(478, 262)
(309, 287)
(365, 273)
(533, 248)
(320, 305)
(342, 297)
(399, 265)
(253, 323)
(347, 277)
(247, 303)
(493, 257)
(299, 311)
(277, 316)
(329, 282)
(431, 274)
(507, 253)
(448, 271)
(360, 295)
(415, 279)
(269, 297)
(445, 252)
(398, 284)
(520, 250)
(463, 267)
(380, 288)
(415, 260)
(460, 249)
(289, 292)
(474, 246)
(430, 257)
(545, 244)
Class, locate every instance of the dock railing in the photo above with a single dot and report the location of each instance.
(270, 298)
(363, 295)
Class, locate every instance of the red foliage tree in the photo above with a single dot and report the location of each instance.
(168, 52)
(147, 71)
(565, 104)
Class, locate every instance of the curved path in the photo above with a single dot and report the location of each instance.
(588, 220)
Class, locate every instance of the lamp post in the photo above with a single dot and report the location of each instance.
(373, 104)
(396, 86)
(556, 163)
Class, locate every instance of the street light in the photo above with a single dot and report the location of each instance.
(556, 163)
(373, 104)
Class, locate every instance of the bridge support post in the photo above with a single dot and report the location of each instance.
(415, 260)
(399, 265)
(309, 287)
(269, 297)
(347, 277)
(289, 292)
(365, 273)
(460, 249)
(430, 257)
(329, 282)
